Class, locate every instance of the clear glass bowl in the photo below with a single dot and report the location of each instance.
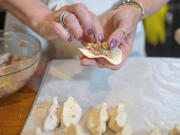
(15, 76)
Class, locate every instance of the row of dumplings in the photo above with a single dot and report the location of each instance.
(68, 117)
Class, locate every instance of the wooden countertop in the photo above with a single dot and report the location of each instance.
(14, 109)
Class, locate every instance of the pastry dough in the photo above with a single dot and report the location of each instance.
(175, 130)
(125, 131)
(97, 119)
(155, 131)
(117, 118)
(71, 112)
(117, 53)
(40, 132)
(52, 121)
(73, 129)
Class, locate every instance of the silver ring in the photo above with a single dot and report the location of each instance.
(123, 31)
(63, 16)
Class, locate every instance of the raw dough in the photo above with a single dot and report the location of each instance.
(175, 130)
(52, 121)
(71, 112)
(115, 60)
(155, 131)
(40, 132)
(97, 119)
(125, 131)
(117, 118)
(73, 129)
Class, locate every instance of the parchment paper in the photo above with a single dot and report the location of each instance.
(149, 87)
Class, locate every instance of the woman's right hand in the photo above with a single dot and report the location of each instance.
(81, 24)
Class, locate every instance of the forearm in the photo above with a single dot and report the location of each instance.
(30, 12)
(152, 6)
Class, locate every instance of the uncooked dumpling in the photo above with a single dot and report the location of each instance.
(71, 112)
(155, 131)
(52, 121)
(175, 130)
(73, 129)
(40, 132)
(125, 131)
(97, 119)
(113, 56)
(117, 118)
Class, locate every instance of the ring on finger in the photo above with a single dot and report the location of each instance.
(62, 17)
(123, 31)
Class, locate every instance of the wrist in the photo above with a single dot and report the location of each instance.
(132, 11)
(136, 11)
(134, 4)
(29, 12)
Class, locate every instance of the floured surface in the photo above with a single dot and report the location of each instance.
(149, 88)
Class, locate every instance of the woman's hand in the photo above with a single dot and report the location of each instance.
(80, 24)
(119, 31)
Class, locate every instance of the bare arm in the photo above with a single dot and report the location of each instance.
(152, 6)
(31, 11)
(45, 22)
(27, 11)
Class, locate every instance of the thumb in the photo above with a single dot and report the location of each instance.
(117, 37)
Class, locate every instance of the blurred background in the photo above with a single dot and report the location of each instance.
(2, 18)
(160, 31)
(159, 28)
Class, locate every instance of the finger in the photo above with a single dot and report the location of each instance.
(98, 30)
(128, 41)
(81, 56)
(90, 62)
(100, 62)
(74, 26)
(61, 32)
(82, 13)
(107, 64)
(126, 47)
(116, 37)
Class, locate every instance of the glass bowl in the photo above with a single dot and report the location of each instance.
(15, 74)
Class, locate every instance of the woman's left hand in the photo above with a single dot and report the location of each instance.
(119, 31)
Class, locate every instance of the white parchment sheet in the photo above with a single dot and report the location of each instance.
(149, 88)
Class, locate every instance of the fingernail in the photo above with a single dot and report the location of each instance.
(80, 38)
(90, 31)
(100, 38)
(69, 39)
(101, 61)
(113, 43)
